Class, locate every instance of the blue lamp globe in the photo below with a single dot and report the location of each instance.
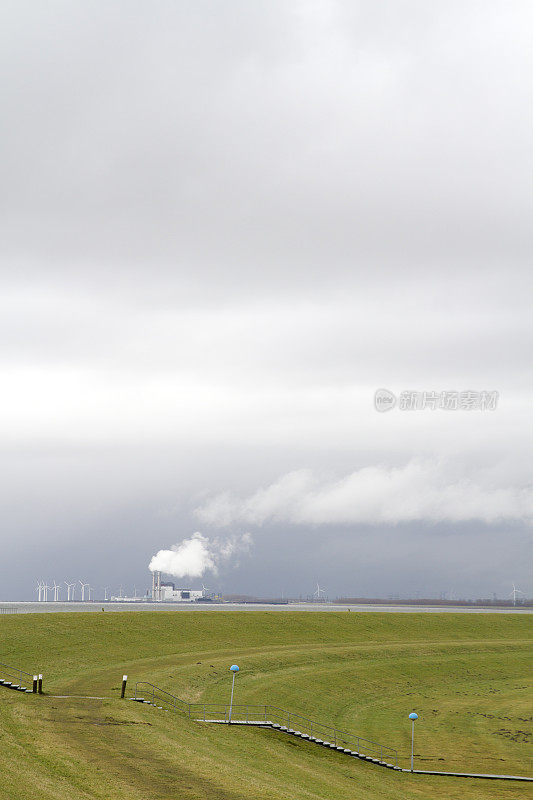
(234, 668)
(411, 716)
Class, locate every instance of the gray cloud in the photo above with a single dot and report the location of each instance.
(421, 491)
(223, 227)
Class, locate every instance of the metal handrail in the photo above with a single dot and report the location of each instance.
(266, 714)
(153, 689)
(15, 671)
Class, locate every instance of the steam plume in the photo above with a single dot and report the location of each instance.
(199, 554)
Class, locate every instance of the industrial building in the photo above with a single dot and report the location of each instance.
(163, 591)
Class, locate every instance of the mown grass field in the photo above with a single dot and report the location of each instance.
(469, 677)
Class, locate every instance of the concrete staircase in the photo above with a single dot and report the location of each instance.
(285, 730)
(16, 686)
(292, 732)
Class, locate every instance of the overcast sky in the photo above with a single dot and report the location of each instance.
(224, 225)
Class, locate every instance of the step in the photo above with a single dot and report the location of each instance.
(14, 686)
(22, 689)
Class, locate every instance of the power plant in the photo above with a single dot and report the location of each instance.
(164, 591)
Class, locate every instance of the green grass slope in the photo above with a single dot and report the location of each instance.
(468, 676)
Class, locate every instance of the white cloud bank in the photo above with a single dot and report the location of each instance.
(418, 491)
(199, 554)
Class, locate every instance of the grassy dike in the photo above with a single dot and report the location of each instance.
(468, 676)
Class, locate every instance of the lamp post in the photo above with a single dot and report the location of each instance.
(412, 717)
(234, 668)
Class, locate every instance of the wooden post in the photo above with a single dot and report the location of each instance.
(35, 679)
(40, 684)
(123, 691)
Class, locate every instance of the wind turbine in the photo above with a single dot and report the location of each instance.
(105, 592)
(39, 589)
(90, 588)
(69, 587)
(514, 593)
(205, 591)
(83, 587)
(45, 588)
(56, 588)
(318, 592)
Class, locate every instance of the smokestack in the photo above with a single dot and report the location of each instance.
(156, 585)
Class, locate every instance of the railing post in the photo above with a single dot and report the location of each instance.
(265, 713)
(35, 679)
(153, 695)
(335, 737)
(381, 752)
(204, 712)
(189, 710)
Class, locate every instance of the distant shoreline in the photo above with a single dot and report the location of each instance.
(32, 607)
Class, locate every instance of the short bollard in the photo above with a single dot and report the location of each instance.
(124, 681)
(35, 679)
(40, 684)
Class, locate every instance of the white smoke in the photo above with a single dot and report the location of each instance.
(199, 554)
(420, 490)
